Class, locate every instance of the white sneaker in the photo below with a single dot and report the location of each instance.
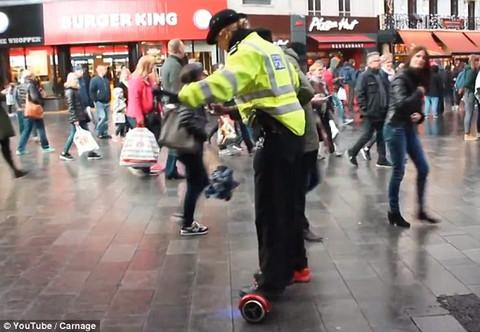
(236, 148)
(195, 229)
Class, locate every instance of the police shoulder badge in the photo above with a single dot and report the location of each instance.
(277, 61)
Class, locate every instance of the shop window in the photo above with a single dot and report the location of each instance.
(344, 7)
(40, 60)
(113, 56)
(257, 2)
(314, 7)
(454, 7)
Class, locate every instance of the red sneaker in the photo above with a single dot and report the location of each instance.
(302, 276)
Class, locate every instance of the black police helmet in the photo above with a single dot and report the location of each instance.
(219, 21)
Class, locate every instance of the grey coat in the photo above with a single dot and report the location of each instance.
(305, 94)
(171, 74)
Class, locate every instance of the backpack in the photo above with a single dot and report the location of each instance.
(460, 81)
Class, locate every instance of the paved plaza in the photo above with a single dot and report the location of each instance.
(88, 240)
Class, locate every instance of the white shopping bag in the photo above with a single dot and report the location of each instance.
(333, 128)
(84, 141)
(140, 149)
(342, 94)
(120, 117)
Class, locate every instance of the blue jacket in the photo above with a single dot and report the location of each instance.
(348, 73)
(100, 89)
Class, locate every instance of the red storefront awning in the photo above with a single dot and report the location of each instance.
(339, 41)
(474, 37)
(422, 38)
(456, 42)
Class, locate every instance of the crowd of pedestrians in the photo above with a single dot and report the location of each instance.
(286, 115)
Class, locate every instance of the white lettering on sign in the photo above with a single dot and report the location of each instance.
(117, 20)
(348, 45)
(320, 24)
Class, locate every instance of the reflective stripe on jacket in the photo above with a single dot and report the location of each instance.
(260, 77)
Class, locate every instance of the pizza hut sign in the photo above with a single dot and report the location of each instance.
(322, 24)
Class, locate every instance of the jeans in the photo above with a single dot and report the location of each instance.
(71, 135)
(400, 141)
(21, 121)
(29, 125)
(369, 128)
(469, 100)
(431, 102)
(171, 166)
(197, 180)
(245, 135)
(340, 110)
(103, 109)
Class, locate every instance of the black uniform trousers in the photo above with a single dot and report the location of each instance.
(278, 185)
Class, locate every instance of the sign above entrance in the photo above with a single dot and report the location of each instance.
(335, 24)
(321, 24)
(103, 21)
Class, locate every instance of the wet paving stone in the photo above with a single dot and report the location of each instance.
(95, 242)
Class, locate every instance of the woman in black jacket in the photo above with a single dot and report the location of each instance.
(405, 113)
(77, 116)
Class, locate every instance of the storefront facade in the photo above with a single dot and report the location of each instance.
(118, 33)
(21, 40)
(346, 37)
(52, 37)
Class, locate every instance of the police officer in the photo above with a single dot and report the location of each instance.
(264, 83)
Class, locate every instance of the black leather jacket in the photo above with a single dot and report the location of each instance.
(405, 99)
(368, 94)
(75, 108)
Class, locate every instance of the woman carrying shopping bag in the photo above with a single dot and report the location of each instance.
(141, 110)
(78, 116)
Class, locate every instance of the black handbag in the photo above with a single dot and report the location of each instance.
(173, 134)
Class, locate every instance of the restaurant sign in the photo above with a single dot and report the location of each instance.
(335, 24)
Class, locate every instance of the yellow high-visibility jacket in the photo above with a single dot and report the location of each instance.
(259, 76)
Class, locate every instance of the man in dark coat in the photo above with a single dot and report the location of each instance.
(372, 92)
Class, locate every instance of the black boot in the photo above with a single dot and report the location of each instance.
(423, 216)
(18, 173)
(396, 219)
